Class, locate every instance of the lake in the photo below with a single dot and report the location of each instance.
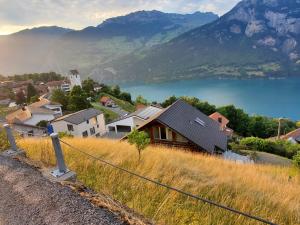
(274, 98)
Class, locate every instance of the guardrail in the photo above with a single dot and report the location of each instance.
(63, 170)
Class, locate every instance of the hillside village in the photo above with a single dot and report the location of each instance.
(75, 108)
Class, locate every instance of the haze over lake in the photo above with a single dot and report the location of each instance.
(275, 98)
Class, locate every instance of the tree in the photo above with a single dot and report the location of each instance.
(42, 123)
(60, 96)
(88, 86)
(239, 120)
(140, 139)
(20, 98)
(141, 100)
(298, 124)
(31, 91)
(126, 97)
(78, 99)
(116, 91)
(169, 101)
(34, 99)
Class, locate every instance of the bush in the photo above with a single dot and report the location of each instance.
(296, 160)
(278, 147)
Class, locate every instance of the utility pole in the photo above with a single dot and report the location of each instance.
(279, 128)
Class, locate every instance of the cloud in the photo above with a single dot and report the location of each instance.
(16, 14)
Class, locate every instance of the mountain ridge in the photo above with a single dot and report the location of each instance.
(90, 47)
(257, 38)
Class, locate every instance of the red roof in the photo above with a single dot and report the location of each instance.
(105, 99)
(220, 118)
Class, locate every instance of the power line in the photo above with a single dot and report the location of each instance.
(172, 188)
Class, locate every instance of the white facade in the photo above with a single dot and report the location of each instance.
(94, 127)
(75, 80)
(134, 120)
(125, 125)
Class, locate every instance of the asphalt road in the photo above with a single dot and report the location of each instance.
(26, 197)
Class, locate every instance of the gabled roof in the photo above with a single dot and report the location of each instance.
(216, 116)
(42, 103)
(193, 125)
(294, 134)
(80, 116)
(144, 113)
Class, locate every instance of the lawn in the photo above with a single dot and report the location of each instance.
(271, 192)
(108, 114)
(127, 106)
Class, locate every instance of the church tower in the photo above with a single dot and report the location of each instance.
(75, 79)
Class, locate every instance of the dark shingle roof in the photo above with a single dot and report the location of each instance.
(194, 125)
(80, 116)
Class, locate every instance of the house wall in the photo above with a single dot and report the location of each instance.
(133, 122)
(99, 125)
(27, 131)
(36, 118)
(174, 139)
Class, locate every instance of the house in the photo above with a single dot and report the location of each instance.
(293, 136)
(44, 110)
(223, 121)
(133, 120)
(58, 84)
(182, 125)
(47, 104)
(26, 130)
(85, 123)
(107, 101)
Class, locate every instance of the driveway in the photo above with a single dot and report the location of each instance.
(29, 198)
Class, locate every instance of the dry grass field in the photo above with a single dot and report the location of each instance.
(267, 191)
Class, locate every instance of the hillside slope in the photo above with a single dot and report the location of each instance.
(256, 38)
(266, 191)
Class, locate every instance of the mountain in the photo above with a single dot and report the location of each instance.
(41, 49)
(27, 50)
(257, 38)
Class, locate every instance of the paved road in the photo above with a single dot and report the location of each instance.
(26, 197)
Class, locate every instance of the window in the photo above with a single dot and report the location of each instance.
(87, 121)
(220, 119)
(85, 134)
(30, 133)
(92, 130)
(160, 133)
(163, 133)
(70, 127)
(156, 132)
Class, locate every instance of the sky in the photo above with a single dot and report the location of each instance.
(17, 15)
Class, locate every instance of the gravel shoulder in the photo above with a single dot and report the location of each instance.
(26, 197)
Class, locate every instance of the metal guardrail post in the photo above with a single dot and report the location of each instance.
(10, 137)
(62, 169)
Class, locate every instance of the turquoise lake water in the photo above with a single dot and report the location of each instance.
(275, 98)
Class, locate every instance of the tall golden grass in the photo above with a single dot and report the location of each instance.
(266, 191)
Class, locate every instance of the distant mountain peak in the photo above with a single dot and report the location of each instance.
(44, 30)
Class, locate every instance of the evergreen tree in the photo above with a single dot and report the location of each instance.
(20, 98)
(31, 92)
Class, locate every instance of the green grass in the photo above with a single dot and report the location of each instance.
(108, 114)
(127, 106)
